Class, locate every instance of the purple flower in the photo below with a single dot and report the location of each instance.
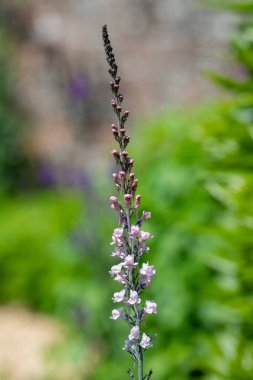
(119, 296)
(78, 87)
(134, 298)
(134, 333)
(115, 269)
(135, 230)
(117, 236)
(146, 215)
(121, 278)
(145, 236)
(145, 341)
(151, 307)
(129, 262)
(115, 314)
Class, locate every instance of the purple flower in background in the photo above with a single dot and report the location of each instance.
(78, 87)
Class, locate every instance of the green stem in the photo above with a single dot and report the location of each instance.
(140, 365)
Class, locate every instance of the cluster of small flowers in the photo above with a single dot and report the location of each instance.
(129, 239)
(134, 278)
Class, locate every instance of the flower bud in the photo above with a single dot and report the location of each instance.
(121, 97)
(126, 140)
(114, 131)
(146, 215)
(124, 154)
(122, 131)
(114, 203)
(116, 155)
(128, 198)
(135, 184)
(137, 201)
(115, 178)
(113, 103)
(130, 163)
(118, 108)
(122, 175)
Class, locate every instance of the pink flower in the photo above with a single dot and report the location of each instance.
(145, 236)
(119, 252)
(134, 333)
(117, 236)
(146, 215)
(119, 296)
(145, 341)
(147, 270)
(135, 230)
(115, 269)
(143, 247)
(134, 297)
(151, 307)
(121, 278)
(115, 314)
(129, 262)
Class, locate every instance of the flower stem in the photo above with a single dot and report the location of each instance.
(140, 365)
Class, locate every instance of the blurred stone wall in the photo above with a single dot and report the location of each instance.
(162, 47)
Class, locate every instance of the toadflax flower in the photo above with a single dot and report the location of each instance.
(129, 262)
(115, 269)
(119, 296)
(134, 297)
(115, 314)
(134, 333)
(151, 307)
(145, 341)
(128, 238)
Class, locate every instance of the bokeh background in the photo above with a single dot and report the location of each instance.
(187, 77)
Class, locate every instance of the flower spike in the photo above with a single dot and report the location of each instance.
(128, 238)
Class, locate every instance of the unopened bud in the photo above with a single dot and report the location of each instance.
(114, 203)
(137, 201)
(126, 140)
(135, 184)
(130, 163)
(128, 198)
(131, 176)
(124, 154)
(115, 177)
(122, 131)
(121, 97)
(115, 131)
(113, 103)
(119, 108)
(122, 175)
(117, 80)
(115, 153)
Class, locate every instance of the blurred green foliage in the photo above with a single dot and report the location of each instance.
(35, 248)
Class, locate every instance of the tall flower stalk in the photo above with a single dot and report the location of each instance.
(129, 239)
